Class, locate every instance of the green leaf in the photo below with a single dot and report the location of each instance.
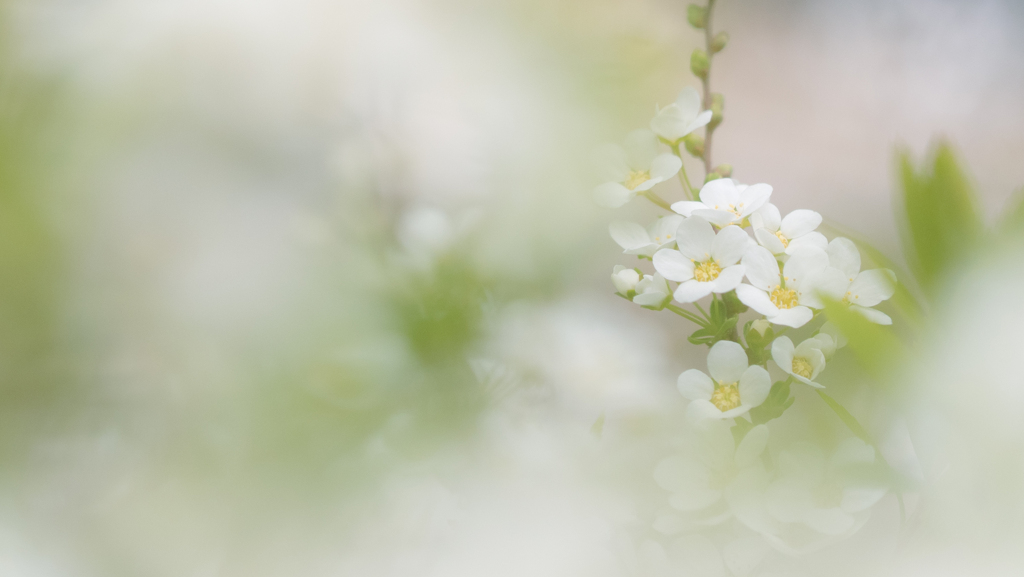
(848, 419)
(876, 347)
(772, 408)
(942, 220)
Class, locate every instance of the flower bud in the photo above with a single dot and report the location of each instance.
(625, 279)
(760, 325)
(696, 15)
(719, 42)
(712, 176)
(724, 169)
(694, 144)
(717, 104)
(699, 64)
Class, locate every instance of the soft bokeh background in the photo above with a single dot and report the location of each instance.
(316, 288)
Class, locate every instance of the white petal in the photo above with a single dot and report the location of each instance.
(814, 239)
(872, 287)
(830, 282)
(702, 412)
(756, 299)
(716, 217)
(727, 361)
(692, 291)
(612, 195)
(762, 268)
(664, 167)
(877, 317)
(694, 384)
(729, 246)
(843, 255)
(743, 555)
(673, 265)
(753, 197)
(800, 222)
(702, 119)
(832, 521)
(767, 239)
(667, 523)
(669, 123)
(686, 207)
(641, 148)
(695, 499)
(750, 448)
(768, 216)
(695, 238)
(688, 102)
(645, 250)
(833, 331)
(663, 230)
(610, 163)
(782, 353)
(857, 499)
(728, 279)
(697, 555)
(795, 317)
(629, 235)
(719, 194)
(801, 263)
(679, 473)
(650, 298)
(755, 384)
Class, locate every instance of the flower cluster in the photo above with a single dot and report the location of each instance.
(726, 259)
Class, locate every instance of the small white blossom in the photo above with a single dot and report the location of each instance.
(785, 235)
(723, 202)
(803, 362)
(634, 169)
(652, 291)
(635, 239)
(625, 279)
(783, 303)
(733, 388)
(700, 476)
(681, 117)
(843, 281)
(705, 262)
(829, 496)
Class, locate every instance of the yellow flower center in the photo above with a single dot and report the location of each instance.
(782, 237)
(726, 396)
(636, 178)
(802, 367)
(783, 298)
(707, 271)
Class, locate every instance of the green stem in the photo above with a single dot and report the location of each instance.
(657, 200)
(686, 315)
(708, 36)
(702, 311)
(683, 179)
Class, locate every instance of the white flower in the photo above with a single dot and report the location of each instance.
(705, 262)
(785, 235)
(844, 282)
(652, 291)
(699, 477)
(831, 497)
(633, 169)
(783, 303)
(724, 202)
(831, 338)
(625, 279)
(635, 239)
(732, 389)
(803, 362)
(681, 117)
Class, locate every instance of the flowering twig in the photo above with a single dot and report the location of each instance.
(706, 80)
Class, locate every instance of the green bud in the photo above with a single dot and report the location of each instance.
(717, 104)
(694, 144)
(719, 42)
(761, 326)
(724, 169)
(697, 15)
(712, 176)
(699, 63)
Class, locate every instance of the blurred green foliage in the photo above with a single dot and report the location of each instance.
(942, 219)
